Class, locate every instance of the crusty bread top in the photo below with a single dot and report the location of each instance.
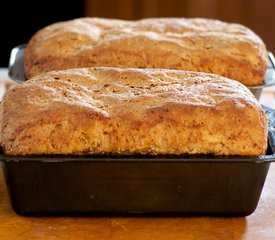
(151, 111)
(205, 45)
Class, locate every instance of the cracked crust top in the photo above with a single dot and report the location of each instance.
(132, 111)
(196, 44)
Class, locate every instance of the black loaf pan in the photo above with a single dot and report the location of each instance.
(17, 73)
(108, 185)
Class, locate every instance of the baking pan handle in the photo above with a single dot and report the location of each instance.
(270, 113)
(16, 64)
(271, 60)
(269, 78)
(271, 137)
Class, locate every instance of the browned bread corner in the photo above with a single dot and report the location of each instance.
(197, 44)
(132, 111)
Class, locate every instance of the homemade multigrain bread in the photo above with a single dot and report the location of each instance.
(204, 45)
(132, 111)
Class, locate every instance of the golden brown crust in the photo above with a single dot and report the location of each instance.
(205, 45)
(132, 111)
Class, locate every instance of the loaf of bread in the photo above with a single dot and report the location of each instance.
(132, 111)
(204, 45)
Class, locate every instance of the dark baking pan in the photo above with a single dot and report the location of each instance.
(17, 73)
(185, 185)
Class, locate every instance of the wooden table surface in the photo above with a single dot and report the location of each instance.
(260, 225)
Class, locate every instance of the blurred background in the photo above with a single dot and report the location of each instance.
(25, 18)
